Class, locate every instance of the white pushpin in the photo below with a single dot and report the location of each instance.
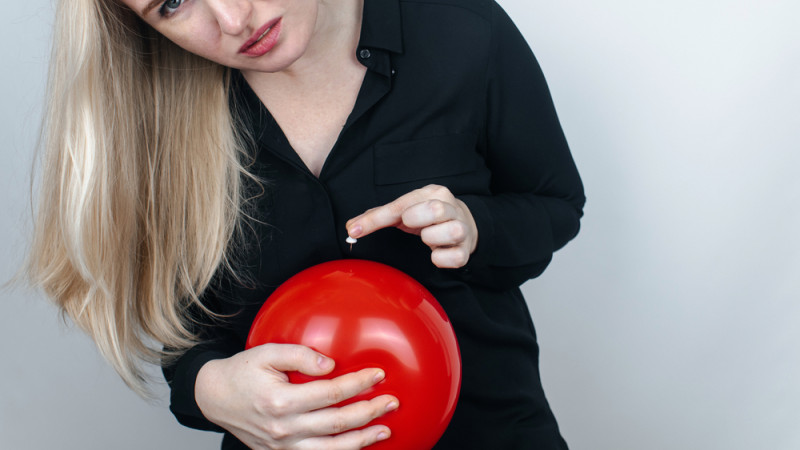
(351, 240)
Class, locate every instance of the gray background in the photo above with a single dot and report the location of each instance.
(671, 322)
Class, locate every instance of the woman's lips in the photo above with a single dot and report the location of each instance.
(263, 39)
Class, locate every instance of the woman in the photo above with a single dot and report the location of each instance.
(200, 152)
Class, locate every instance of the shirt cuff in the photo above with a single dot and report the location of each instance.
(182, 399)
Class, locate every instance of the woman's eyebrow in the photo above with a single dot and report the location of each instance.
(150, 6)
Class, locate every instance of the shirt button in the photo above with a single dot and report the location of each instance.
(364, 53)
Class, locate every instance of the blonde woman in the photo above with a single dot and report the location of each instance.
(200, 152)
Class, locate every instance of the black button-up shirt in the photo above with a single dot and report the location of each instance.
(452, 96)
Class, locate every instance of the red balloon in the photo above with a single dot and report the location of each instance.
(365, 314)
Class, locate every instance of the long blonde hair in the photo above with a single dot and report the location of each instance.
(141, 184)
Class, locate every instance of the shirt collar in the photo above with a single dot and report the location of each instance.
(381, 26)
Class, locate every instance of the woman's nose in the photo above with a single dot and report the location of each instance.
(233, 16)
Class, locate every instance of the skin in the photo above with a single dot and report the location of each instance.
(443, 222)
(249, 394)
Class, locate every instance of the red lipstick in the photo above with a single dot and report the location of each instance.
(263, 39)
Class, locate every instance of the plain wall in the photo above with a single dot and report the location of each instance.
(671, 322)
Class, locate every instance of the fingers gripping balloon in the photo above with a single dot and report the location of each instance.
(365, 314)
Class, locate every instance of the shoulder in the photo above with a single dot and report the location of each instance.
(481, 9)
(462, 17)
(450, 17)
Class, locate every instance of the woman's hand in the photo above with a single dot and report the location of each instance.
(249, 395)
(444, 223)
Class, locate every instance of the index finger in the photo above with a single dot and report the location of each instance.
(390, 214)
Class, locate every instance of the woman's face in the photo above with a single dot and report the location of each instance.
(251, 35)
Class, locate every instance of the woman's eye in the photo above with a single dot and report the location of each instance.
(169, 7)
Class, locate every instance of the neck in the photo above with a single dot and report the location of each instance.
(338, 28)
(333, 43)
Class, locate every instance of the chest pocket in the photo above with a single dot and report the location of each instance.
(450, 160)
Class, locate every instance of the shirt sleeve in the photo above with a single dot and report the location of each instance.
(537, 196)
(181, 373)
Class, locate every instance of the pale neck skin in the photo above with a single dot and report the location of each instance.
(312, 97)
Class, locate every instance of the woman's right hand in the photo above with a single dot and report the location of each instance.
(249, 394)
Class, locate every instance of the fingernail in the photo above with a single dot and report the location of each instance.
(355, 231)
(379, 375)
(323, 362)
(382, 436)
(392, 406)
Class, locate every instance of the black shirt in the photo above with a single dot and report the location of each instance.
(452, 96)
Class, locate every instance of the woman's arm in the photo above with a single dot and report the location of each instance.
(537, 196)
(216, 386)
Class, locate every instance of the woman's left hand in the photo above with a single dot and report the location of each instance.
(444, 223)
